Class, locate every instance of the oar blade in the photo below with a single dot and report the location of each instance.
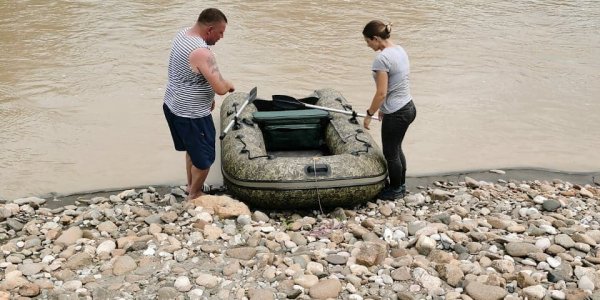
(252, 95)
(287, 102)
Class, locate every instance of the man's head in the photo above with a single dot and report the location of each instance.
(213, 22)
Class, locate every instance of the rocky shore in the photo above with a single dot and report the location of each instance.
(468, 239)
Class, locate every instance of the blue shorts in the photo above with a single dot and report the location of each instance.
(196, 136)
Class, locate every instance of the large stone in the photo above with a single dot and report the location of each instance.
(564, 241)
(425, 244)
(534, 292)
(520, 249)
(29, 269)
(167, 293)
(243, 253)
(583, 238)
(183, 284)
(207, 280)
(551, 205)
(480, 291)
(123, 264)
(106, 247)
(70, 236)
(261, 294)
(336, 259)
(224, 206)
(450, 273)
(371, 253)
(325, 289)
(306, 281)
(78, 260)
(13, 279)
(107, 226)
(29, 290)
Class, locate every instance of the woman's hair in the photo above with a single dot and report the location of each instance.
(377, 28)
(211, 15)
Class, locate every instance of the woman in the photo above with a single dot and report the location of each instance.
(393, 101)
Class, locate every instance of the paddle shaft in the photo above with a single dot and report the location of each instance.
(337, 110)
(249, 99)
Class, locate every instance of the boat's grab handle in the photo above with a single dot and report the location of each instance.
(317, 170)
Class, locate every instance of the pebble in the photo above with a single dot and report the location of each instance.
(466, 240)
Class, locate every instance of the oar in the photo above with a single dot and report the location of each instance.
(251, 96)
(291, 103)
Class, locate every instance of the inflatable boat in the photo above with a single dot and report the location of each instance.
(288, 153)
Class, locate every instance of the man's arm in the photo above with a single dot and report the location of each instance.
(203, 61)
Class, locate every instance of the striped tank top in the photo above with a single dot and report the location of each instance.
(188, 94)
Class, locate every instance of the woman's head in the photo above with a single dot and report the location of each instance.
(377, 28)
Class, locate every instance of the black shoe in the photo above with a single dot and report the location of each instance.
(389, 193)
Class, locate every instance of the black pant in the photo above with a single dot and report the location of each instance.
(393, 129)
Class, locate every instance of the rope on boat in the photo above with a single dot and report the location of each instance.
(341, 100)
(244, 150)
(316, 186)
(366, 143)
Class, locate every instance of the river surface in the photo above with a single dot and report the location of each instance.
(497, 84)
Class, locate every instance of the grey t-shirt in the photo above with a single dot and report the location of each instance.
(394, 61)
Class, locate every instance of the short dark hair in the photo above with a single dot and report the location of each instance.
(211, 16)
(377, 28)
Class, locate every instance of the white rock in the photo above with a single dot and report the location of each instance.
(150, 251)
(359, 270)
(183, 284)
(106, 247)
(585, 283)
(195, 294)
(267, 229)
(398, 235)
(554, 262)
(539, 199)
(388, 235)
(543, 243)
(314, 267)
(549, 229)
(523, 212)
(207, 280)
(543, 266)
(306, 281)
(558, 295)
(534, 292)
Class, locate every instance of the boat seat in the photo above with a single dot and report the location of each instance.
(292, 129)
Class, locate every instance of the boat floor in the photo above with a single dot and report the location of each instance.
(299, 153)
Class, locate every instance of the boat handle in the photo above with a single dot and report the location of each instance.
(317, 170)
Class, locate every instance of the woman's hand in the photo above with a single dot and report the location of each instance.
(366, 122)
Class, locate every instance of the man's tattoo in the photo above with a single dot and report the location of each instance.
(212, 62)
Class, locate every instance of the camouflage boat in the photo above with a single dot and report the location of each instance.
(277, 157)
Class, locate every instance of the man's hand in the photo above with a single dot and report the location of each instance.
(231, 87)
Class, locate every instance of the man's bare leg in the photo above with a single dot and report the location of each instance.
(198, 178)
(188, 169)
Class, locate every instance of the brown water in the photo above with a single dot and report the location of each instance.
(502, 84)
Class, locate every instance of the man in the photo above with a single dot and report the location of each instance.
(194, 78)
